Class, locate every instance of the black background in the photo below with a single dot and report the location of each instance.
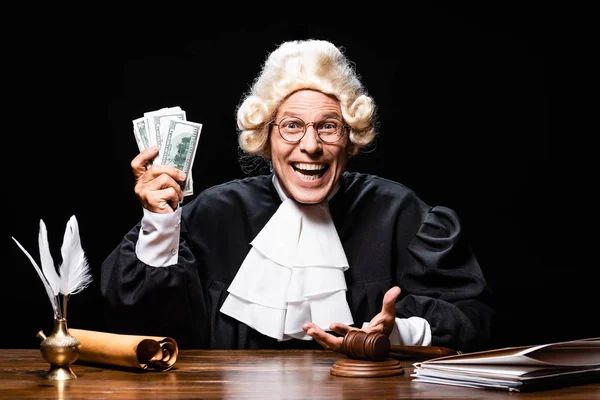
(462, 95)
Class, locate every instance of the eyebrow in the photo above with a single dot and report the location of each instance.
(330, 114)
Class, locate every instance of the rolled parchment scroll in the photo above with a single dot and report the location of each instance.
(131, 351)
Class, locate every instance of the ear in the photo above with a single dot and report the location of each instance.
(267, 152)
(351, 149)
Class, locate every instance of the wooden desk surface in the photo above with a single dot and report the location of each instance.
(237, 374)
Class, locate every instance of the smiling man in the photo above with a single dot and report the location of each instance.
(308, 158)
(297, 257)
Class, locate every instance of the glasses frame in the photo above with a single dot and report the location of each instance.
(306, 125)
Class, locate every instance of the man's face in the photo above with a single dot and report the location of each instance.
(310, 169)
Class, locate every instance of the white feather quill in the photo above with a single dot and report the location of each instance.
(51, 294)
(75, 274)
(48, 266)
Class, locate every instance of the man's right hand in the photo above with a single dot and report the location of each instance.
(157, 186)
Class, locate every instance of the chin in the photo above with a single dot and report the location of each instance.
(309, 196)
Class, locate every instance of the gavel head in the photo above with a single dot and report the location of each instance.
(361, 345)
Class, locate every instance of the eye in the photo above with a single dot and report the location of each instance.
(292, 125)
(329, 126)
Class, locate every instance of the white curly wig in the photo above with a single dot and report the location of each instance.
(305, 64)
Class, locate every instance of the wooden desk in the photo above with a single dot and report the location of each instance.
(239, 374)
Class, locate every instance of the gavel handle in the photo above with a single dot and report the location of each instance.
(422, 352)
(375, 346)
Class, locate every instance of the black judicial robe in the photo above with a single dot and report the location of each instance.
(390, 237)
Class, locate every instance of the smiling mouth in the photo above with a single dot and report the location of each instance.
(309, 172)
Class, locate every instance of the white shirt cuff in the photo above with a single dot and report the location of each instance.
(413, 331)
(158, 241)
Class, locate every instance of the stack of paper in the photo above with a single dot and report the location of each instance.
(524, 368)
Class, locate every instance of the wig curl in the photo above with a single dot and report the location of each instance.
(305, 64)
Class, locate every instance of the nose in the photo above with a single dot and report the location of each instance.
(311, 142)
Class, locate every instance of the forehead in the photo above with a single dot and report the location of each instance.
(309, 101)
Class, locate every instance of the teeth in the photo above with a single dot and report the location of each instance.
(306, 177)
(309, 167)
(309, 172)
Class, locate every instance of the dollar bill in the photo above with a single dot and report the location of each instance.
(180, 144)
(154, 119)
(141, 133)
(177, 142)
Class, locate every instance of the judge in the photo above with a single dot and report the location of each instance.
(298, 256)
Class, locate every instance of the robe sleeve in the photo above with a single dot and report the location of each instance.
(445, 285)
(142, 299)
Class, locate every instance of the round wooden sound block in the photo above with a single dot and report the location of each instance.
(350, 367)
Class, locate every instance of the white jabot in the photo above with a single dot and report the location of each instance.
(293, 273)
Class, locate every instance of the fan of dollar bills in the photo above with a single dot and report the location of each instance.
(176, 137)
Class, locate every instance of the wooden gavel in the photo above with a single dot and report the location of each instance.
(376, 346)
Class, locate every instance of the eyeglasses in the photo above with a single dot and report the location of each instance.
(293, 129)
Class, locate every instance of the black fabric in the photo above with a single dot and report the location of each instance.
(389, 235)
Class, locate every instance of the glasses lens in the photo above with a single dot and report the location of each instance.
(291, 128)
(330, 130)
